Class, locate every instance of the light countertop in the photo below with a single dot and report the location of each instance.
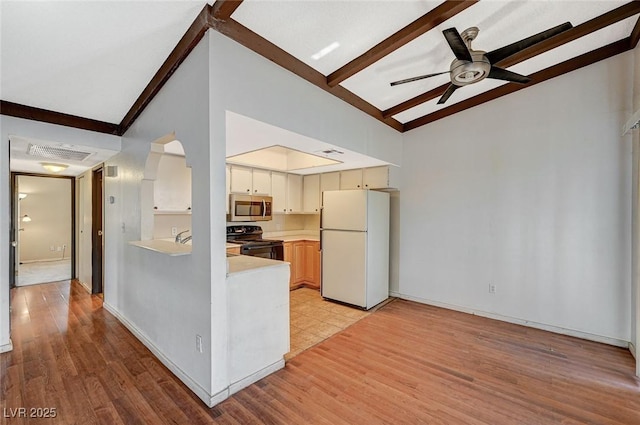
(246, 263)
(162, 246)
(293, 235)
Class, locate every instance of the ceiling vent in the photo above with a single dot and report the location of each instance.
(331, 151)
(53, 152)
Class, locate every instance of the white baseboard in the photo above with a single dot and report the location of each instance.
(555, 329)
(5, 348)
(632, 348)
(209, 399)
(88, 288)
(44, 260)
(245, 382)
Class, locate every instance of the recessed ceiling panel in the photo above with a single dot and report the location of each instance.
(27, 155)
(244, 134)
(328, 34)
(565, 52)
(500, 23)
(93, 58)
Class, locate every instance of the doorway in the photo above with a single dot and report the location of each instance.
(43, 225)
(97, 237)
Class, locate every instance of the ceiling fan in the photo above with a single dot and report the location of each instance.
(471, 66)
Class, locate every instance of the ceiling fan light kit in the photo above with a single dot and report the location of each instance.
(471, 66)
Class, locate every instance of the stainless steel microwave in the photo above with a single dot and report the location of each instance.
(249, 208)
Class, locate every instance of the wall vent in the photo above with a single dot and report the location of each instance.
(53, 152)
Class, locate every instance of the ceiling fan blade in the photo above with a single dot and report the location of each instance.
(497, 55)
(422, 77)
(502, 74)
(457, 44)
(447, 93)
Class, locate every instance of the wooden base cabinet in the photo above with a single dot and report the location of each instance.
(304, 257)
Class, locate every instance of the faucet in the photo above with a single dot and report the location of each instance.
(179, 237)
(185, 240)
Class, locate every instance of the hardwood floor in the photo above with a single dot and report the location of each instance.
(404, 364)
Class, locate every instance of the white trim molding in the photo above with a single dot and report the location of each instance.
(209, 399)
(5, 348)
(632, 124)
(550, 328)
(254, 377)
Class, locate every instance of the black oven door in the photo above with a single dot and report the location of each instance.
(273, 252)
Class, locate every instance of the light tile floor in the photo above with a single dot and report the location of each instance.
(313, 319)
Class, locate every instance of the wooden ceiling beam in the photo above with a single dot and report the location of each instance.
(223, 9)
(586, 28)
(570, 65)
(186, 44)
(268, 50)
(44, 115)
(412, 31)
(635, 35)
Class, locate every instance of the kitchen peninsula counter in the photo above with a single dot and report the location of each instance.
(246, 263)
(163, 246)
(293, 236)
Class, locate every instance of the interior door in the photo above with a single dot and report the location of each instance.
(13, 261)
(97, 236)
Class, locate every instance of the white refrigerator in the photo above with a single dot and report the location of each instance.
(354, 240)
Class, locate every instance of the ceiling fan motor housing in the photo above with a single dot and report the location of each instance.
(465, 72)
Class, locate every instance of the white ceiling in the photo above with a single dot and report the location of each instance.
(87, 58)
(94, 58)
(303, 28)
(20, 161)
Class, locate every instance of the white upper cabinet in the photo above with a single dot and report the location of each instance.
(311, 193)
(241, 180)
(250, 181)
(279, 192)
(330, 181)
(228, 175)
(261, 182)
(386, 177)
(351, 179)
(294, 193)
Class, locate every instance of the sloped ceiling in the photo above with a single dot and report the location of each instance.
(96, 65)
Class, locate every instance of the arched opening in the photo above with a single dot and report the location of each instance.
(166, 192)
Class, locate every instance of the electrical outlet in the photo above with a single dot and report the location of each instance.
(198, 343)
(492, 289)
(52, 248)
(59, 248)
(174, 231)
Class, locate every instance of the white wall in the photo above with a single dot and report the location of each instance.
(635, 296)
(531, 193)
(253, 86)
(10, 126)
(48, 204)
(167, 299)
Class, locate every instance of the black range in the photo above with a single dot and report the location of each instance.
(249, 238)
